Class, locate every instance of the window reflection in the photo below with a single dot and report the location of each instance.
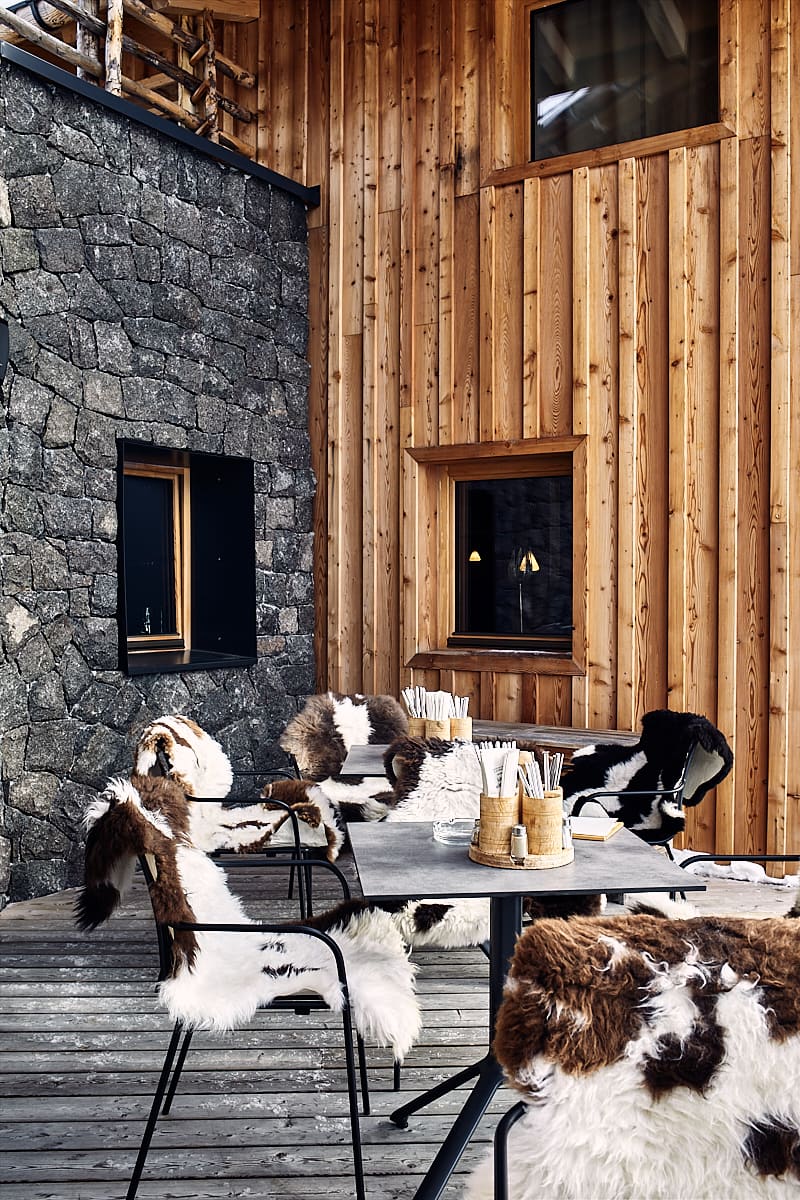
(610, 71)
(514, 563)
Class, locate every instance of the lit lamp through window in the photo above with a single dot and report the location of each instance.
(524, 563)
(474, 557)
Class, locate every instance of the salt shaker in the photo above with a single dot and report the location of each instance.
(476, 832)
(519, 844)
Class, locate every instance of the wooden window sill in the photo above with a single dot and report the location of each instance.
(512, 662)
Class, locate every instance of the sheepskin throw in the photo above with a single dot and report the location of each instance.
(654, 765)
(197, 762)
(319, 737)
(658, 1058)
(219, 980)
(433, 779)
(436, 780)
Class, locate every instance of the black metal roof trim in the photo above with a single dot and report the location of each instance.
(46, 70)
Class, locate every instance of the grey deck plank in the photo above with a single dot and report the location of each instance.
(81, 1041)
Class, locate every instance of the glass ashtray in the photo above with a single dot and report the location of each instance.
(455, 832)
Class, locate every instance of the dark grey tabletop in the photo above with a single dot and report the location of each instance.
(399, 860)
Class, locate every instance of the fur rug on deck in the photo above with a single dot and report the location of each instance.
(219, 980)
(657, 1059)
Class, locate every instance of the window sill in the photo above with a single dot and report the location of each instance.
(701, 135)
(514, 662)
(166, 662)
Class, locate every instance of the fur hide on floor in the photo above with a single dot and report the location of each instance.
(319, 737)
(657, 1058)
(219, 980)
(655, 764)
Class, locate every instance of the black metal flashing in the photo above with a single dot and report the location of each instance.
(91, 91)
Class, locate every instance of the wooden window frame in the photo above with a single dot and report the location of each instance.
(511, 111)
(182, 561)
(442, 468)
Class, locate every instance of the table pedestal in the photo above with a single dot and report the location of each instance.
(505, 927)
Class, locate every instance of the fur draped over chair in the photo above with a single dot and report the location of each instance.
(197, 762)
(654, 767)
(319, 737)
(219, 980)
(655, 1058)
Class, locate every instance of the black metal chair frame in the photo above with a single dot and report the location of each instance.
(301, 1005)
(297, 850)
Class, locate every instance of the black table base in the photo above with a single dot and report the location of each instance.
(506, 924)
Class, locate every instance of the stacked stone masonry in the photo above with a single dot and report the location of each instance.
(151, 293)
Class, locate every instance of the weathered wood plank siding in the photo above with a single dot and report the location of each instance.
(644, 299)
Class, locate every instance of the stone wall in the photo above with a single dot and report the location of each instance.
(151, 293)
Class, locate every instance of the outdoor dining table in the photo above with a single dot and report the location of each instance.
(402, 860)
(368, 760)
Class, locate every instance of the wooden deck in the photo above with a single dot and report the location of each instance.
(258, 1114)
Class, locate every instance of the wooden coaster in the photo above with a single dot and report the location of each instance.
(533, 862)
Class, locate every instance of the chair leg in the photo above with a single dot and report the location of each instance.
(501, 1150)
(155, 1109)
(352, 1096)
(362, 1071)
(176, 1074)
(396, 1076)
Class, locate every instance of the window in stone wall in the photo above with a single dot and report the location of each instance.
(513, 558)
(186, 560)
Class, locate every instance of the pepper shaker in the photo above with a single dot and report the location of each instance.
(519, 844)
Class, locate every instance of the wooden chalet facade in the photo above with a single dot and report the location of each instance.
(635, 308)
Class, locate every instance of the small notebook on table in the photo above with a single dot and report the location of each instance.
(594, 829)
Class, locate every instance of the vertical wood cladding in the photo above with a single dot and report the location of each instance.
(644, 299)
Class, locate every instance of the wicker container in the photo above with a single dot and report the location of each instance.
(498, 815)
(461, 729)
(416, 727)
(543, 819)
(438, 729)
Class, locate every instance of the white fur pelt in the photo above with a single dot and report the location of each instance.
(593, 1129)
(234, 973)
(196, 760)
(435, 780)
(220, 979)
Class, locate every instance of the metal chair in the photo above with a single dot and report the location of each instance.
(204, 982)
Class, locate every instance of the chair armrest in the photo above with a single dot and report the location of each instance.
(592, 796)
(270, 927)
(273, 803)
(739, 858)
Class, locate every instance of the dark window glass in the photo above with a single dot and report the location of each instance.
(609, 71)
(150, 556)
(514, 563)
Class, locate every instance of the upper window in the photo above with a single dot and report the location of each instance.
(610, 71)
(514, 560)
(186, 561)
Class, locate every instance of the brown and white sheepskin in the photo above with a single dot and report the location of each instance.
(658, 1059)
(320, 735)
(219, 980)
(197, 762)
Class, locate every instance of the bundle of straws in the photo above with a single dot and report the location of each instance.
(435, 706)
(535, 780)
(499, 763)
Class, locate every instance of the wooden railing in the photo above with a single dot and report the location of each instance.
(101, 42)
